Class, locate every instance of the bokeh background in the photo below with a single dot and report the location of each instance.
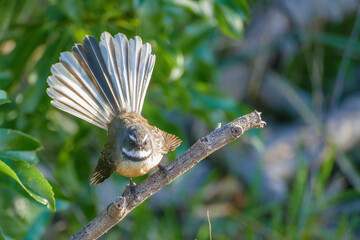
(298, 62)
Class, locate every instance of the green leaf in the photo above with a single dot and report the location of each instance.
(27, 156)
(334, 40)
(30, 179)
(296, 197)
(229, 21)
(1, 234)
(39, 226)
(5, 78)
(193, 6)
(243, 6)
(13, 140)
(349, 170)
(3, 97)
(239, 6)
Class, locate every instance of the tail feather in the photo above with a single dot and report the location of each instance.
(146, 81)
(108, 51)
(121, 51)
(78, 76)
(96, 82)
(59, 86)
(89, 56)
(134, 58)
(146, 50)
(74, 102)
(62, 105)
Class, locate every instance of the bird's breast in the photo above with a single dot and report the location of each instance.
(129, 168)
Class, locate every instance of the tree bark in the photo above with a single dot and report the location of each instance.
(125, 203)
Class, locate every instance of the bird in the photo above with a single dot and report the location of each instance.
(105, 84)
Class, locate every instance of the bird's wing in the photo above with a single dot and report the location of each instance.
(105, 167)
(171, 142)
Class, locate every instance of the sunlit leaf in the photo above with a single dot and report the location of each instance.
(229, 22)
(3, 97)
(193, 6)
(239, 6)
(30, 179)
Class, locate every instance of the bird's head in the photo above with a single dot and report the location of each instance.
(136, 143)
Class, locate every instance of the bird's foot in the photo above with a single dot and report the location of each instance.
(165, 172)
(132, 186)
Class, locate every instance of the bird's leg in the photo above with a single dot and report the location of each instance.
(132, 187)
(164, 171)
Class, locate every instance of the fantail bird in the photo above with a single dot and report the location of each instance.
(105, 84)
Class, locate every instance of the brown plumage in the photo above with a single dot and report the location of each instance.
(111, 158)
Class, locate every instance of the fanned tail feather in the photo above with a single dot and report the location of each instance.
(96, 82)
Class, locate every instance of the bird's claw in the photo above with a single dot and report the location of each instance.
(132, 186)
(165, 172)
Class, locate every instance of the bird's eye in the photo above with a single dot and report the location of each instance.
(131, 142)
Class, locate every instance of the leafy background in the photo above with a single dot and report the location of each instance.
(214, 63)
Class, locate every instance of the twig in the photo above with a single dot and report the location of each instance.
(125, 203)
(208, 217)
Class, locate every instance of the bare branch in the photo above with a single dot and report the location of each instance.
(123, 204)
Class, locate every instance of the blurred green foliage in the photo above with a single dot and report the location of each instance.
(32, 35)
(185, 36)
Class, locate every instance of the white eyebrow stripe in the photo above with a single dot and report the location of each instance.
(136, 154)
(132, 137)
(146, 136)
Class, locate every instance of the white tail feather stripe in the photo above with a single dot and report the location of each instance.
(134, 53)
(57, 92)
(121, 49)
(68, 109)
(108, 52)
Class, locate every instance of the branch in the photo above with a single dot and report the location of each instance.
(123, 204)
